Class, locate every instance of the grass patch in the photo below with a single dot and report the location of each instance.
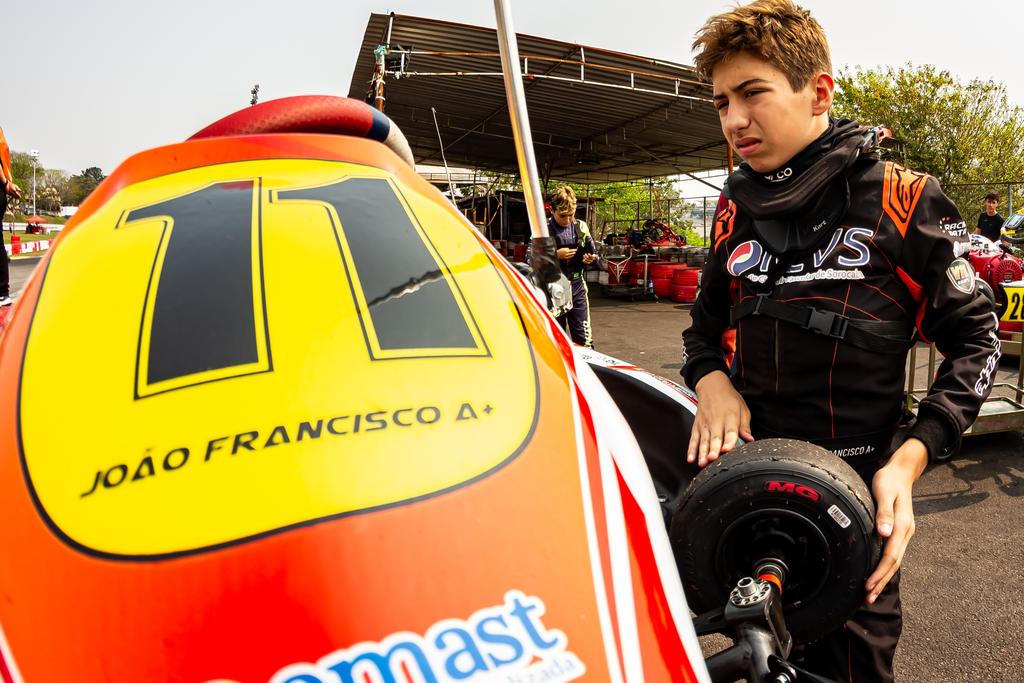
(25, 237)
(22, 217)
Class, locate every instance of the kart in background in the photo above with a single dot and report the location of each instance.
(1002, 275)
(320, 430)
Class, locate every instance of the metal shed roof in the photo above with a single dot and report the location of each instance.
(596, 115)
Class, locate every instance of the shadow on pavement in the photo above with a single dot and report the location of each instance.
(995, 458)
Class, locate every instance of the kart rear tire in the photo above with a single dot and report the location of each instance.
(785, 499)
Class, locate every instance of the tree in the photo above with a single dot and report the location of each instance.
(82, 184)
(21, 169)
(48, 199)
(965, 134)
(94, 173)
(60, 181)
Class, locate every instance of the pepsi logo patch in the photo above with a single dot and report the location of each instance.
(744, 258)
(961, 274)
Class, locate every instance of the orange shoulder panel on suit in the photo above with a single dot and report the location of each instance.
(724, 224)
(901, 189)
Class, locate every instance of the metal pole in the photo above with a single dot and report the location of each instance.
(509, 50)
(910, 379)
(931, 364)
(378, 79)
(379, 69)
(34, 187)
(451, 188)
(1020, 365)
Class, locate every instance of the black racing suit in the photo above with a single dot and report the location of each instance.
(990, 226)
(576, 236)
(5, 274)
(895, 255)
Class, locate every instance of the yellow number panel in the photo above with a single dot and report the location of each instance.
(230, 347)
(1014, 304)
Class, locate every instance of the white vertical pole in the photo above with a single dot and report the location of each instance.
(509, 50)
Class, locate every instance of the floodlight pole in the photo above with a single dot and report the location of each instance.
(520, 120)
(34, 153)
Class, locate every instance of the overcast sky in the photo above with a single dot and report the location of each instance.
(90, 82)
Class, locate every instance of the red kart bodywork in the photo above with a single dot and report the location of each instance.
(491, 519)
(1004, 272)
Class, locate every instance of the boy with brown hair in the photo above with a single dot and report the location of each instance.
(575, 250)
(825, 260)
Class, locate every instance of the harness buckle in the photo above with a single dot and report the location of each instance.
(828, 323)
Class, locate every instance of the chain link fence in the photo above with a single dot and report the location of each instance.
(969, 198)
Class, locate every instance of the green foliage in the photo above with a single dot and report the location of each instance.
(53, 186)
(965, 134)
(21, 169)
(94, 173)
(82, 184)
(629, 204)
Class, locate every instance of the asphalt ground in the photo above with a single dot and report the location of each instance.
(964, 617)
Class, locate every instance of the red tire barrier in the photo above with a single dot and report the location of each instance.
(637, 267)
(665, 270)
(685, 294)
(662, 286)
(686, 277)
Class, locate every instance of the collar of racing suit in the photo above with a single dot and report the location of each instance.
(795, 206)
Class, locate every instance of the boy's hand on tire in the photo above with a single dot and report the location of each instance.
(722, 418)
(893, 488)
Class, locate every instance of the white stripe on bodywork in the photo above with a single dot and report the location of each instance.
(603, 610)
(615, 433)
(618, 541)
(8, 657)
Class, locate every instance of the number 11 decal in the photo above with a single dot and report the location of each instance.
(409, 305)
(204, 317)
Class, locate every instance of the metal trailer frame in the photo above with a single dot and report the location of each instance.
(644, 290)
(998, 413)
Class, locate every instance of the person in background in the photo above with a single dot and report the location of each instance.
(8, 188)
(575, 250)
(990, 223)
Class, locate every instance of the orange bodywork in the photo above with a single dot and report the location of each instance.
(543, 559)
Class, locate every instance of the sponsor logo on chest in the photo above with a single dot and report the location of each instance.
(840, 259)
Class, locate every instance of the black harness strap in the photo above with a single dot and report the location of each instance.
(872, 335)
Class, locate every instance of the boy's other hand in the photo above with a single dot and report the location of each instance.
(722, 417)
(565, 253)
(894, 518)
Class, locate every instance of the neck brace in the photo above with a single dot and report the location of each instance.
(795, 208)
